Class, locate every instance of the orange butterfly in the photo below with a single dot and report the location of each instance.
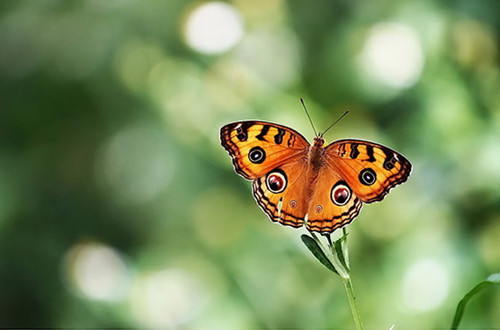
(296, 183)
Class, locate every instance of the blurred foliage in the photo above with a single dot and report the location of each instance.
(490, 281)
(119, 208)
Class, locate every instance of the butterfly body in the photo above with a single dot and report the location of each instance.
(295, 182)
(316, 153)
(315, 160)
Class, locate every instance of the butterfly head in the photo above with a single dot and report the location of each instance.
(319, 141)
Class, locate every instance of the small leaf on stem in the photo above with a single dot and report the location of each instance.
(338, 246)
(317, 252)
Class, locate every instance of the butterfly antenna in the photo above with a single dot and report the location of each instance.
(345, 113)
(308, 116)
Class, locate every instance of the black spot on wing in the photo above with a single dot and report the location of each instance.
(342, 150)
(354, 151)
(369, 151)
(278, 138)
(390, 159)
(263, 133)
(291, 140)
(242, 131)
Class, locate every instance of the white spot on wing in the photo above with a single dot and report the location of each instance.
(280, 205)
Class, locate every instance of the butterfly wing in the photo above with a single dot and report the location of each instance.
(332, 204)
(275, 157)
(282, 193)
(369, 169)
(353, 172)
(257, 147)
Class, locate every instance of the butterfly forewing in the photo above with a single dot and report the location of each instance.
(370, 169)
(257, 147)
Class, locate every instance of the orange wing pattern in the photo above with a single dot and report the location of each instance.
(370, 169)
(286, 204)
(257, 147)
(324, 214)
(296, 183)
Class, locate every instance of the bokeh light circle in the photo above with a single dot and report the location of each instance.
(97, 271)
(213, 27)
(425, 285)
(167, 298)
(136, 164)
(392, 55)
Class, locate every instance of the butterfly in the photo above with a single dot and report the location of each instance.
(296, 183)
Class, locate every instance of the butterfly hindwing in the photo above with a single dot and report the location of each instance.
(369, 169)
(333, 203)
(281, 193)
(257, 147)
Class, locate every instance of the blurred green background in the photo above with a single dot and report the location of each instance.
(119, 207)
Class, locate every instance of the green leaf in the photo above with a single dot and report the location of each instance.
(339, 250)
(317, 252)
(492, 279)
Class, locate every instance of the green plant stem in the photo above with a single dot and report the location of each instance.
(340, 253)
(336, 259)
(352, 301)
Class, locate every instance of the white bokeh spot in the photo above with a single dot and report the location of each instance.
(425, 285)
(167, 298)
(213, 27)
(98, 272)
(392, 55)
